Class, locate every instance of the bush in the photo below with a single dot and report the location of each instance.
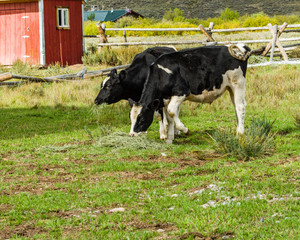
(228, 15)
(91, 17)
(257, 141)
(297, 120)
(258, 20)
(175, 15)
(90, 28)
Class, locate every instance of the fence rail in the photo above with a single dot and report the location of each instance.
(195, 42)
(196, 29)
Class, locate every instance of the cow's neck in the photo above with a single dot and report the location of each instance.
(149, 93)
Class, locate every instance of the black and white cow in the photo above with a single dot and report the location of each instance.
(129, 83)
(199, 75)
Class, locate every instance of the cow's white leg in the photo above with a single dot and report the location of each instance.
(173, 111)
(171, 126)
(162, 128)
(237, 94)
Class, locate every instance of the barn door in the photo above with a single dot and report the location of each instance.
(12, 36)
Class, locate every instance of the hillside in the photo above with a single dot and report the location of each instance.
(200, 8)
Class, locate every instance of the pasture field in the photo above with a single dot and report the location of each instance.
(63, 177)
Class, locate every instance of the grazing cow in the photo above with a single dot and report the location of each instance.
(199, 75)
(129, 83)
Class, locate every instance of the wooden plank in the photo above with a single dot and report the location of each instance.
(268, 47)
(195, 42)
(197, 29)
(209, 37)
(278, 43)
(5, 76)
(273, 43)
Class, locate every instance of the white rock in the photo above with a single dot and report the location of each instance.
(120, 209)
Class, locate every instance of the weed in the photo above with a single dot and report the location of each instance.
(257, 141)
(116, 56)
(297, 120)
(295, 53)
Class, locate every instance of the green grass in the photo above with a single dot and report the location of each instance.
(60, 176)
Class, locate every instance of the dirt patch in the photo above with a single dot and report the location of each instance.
(37, 185)
(77, 212)
(166, 227)
(199, 236)
(193, 159)
(290, 159)
(5, 207)
(27, 230)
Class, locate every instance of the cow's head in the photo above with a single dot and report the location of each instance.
(141, 116)
(111, 88)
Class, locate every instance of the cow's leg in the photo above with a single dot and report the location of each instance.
(162, 127)
(173, 111)
(171, 127)
(237, 94)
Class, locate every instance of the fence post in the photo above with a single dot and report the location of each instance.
(102, 38)
(125, 37)
(206, 33)
(273, 42)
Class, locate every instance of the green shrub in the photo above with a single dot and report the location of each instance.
(257, 141)
(90, 28)
(124, 22)
(175, 15)
(228, 15)
(258, 20)
(91, 17)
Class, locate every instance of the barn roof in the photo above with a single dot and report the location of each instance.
(110, 15)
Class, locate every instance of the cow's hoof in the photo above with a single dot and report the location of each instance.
(163, 137)
(169, 141)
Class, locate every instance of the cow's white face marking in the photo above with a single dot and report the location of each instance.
(135, 111)
(167, 70)
(104, 81)
(241, 46)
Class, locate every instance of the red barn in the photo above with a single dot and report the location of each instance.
(41, 31)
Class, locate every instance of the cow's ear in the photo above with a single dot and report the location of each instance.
(155, 104)
(122, 75)
(114, 71)
(131, 102)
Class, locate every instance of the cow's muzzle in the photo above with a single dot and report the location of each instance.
(98, 101)
(135, 134)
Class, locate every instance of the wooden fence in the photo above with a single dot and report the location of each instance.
(275, 30)
(206, 31)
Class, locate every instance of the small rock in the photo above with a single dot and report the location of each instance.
(174, 195)
(172, 208)
(120, 209)
(262, 219)
(163, 154)
(160, 230)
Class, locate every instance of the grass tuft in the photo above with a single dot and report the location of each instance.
(297, 120)
(257, 141)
